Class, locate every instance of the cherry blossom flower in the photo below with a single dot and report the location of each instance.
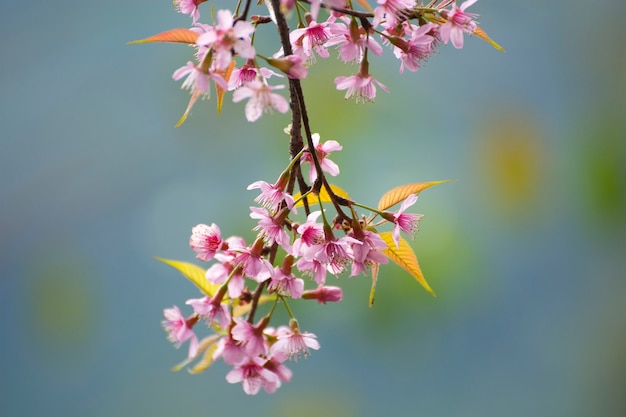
(361, 86)
(322, 151)
(311, 38)
(416, 49)
(254, 376)
(226, 37)
(285, 283)
(390, 11)
(261, 99)
(324, 294)
(206, 241)
(189, 7)
(229, 350)
(249, 72)
(198, 80)
(458, 21)
(273, 194)
(293, 343)
(212, 309)
(179, 330)
(353, 41)
(406, 222)
(253, 264)
(368, 252)
(219, 272)
(271, 227)
(250, 337)
(292, 65)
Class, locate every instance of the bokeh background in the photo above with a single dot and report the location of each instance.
(526, 250)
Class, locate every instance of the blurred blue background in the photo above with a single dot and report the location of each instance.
(526, 250)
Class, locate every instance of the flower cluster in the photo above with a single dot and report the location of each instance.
(311, 250)
(411, 30)
(307, 230)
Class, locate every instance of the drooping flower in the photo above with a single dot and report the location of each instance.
(416, 49)
(189, 7)
(322, 150)
(293, 343)
(273, 194)
(250, 337)
(271, 227)
(362, 86)
(253, 376)
(353, 41)
(311, 38)
(179, 329)
(212, 309)
(458, 22)
(406, 222)
(368, 252)
(390, 11)
(197, 79)
(261, 99)
(228, 36)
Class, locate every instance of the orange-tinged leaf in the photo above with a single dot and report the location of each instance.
(404, 257)
(324, 196)
(400, 193)
(366, 5)
(375, 268)
(194, 274)
(174, 35)
(192, 101)
(483, 35)
(220, 91)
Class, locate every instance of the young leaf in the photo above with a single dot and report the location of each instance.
(398, 194)
(375, 267)
(220, 91)
(194, 274)
(483, 35)
(206, 361)
(404, 257)
(365, 4)
(324, 196)
(192, 100)
(174, 35)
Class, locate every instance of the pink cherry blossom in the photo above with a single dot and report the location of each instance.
(390, 11)
(368, 252)
(458, 22)
(212, 309)
(360, 86)
(261, 99)
(178, 329)
(189, 7)
(250, 337)
(416, 49)
(206, 241)
(228, 36)
(324, 294)
(229, 350)
(249, 72)
(286, 283)
(352, 42)
(219, 272)
(197, 80)
(293, 343)
(311, 38)
(254, 376)
(271, 227)
(322, 151)
(406, 222)
(272, 194)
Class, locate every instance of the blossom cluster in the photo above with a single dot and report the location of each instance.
(312, 251)
(412, 31)
(303, 238)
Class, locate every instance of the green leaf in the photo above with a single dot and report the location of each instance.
(375, 268)
(405, 258)
(194, 274)
(400, 193)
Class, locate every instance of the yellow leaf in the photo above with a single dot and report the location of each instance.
(202, 346)
(174, 35)
(240, 310)
(398, 194)
(404, 257)
(194, 274)
(483, 35)
(220, 91)
(375, 267)
(192, 101)
(324, 196)
(206, 361)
